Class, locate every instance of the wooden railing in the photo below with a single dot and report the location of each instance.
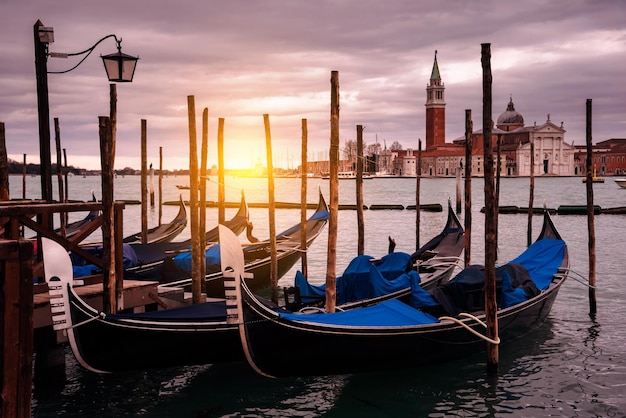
(37, 216)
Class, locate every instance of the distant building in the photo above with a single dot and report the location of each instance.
(552, 155)
(441, 159)
(609, 158)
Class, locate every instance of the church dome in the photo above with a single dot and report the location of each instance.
(510, 116)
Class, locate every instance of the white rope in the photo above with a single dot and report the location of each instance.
(579, 280)
(467, 327)
(86, 321)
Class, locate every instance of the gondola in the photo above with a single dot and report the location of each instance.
(75, 227)
(175, 270)
(103, 343)
(368, 280)
(149, 254)
(147, 258)
(195, 334)
(164, 232)
(393, 334)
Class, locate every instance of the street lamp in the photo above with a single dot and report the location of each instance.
(120, 67)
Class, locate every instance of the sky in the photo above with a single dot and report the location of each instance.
(243, 59)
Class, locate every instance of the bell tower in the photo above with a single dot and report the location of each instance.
(435, 109)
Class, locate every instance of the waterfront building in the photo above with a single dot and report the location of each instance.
(609, 158)
(553, 156)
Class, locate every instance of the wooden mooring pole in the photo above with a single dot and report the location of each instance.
(359, 191)
(590, 215)
(221, 191)
(469, 126)
(4, 166)
(196, 277)
(303, 202)
(57, 141)
(531, 197)
(331, 255)
(23, 177)
(151, 171)
(160, 185)
(144, 181)
(204, 150)
(418, 181)
(458, 188)
(271, 208)
(67, 193)
(490, 216)
(109, 301)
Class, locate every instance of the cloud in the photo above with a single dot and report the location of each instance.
(243, 59)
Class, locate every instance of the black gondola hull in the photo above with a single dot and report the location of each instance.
(315, 350)
(118, 344)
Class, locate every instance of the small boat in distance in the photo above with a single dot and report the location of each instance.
(621, 182)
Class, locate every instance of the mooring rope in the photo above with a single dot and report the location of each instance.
(467, 327)
(86, 321)
(579, 280)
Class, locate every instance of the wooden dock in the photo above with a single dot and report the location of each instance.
(137, 296)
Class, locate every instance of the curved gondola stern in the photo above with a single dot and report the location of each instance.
(453, 221)
(548, 229)
(233, 265)
(59, 275)
(322, 206)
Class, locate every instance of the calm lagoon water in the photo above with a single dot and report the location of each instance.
(574, 366)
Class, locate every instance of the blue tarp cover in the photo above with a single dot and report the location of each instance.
(81, 270)
(364, 279)
(183, 260)
(386, 314)
(517, 281)
(542, 260)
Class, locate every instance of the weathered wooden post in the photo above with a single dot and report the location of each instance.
(359, 190)
(144, 181)
(271, 208)
(458, 189)
(196, 278)
(203, 162)
(331, 257)
(531, 198)
(16, 328)
(43, 109)
(490, 216)
(497, 191)
(4, 165)
(57, 141)
(303, 202)
(151, 186)
(469, 127)
(67, 194)
(24, 178)
(160, 185)
(221, 192)
(418, 180)
(590, 214)
(113, 115)
(109, 302)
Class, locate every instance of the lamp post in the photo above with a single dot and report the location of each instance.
(119, 67)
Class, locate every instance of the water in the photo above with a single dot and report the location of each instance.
(573, 366)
